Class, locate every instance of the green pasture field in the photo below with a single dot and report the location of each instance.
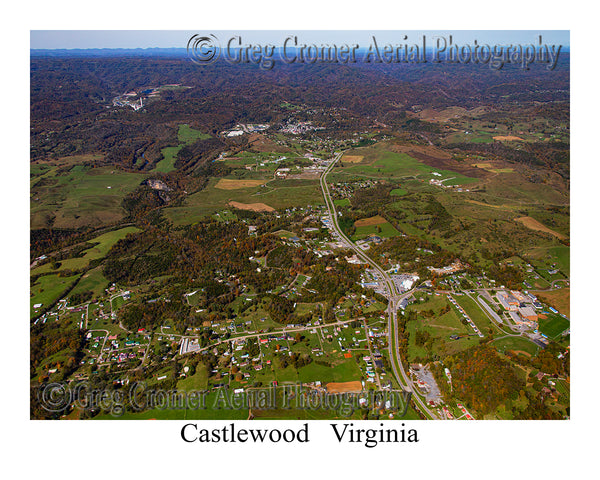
(562, 257)
(197, 382)
(380, 163)
(344, 371)
(440, 327)
(81, 197)
(341, 202)
(279, 194)
(48, 288)
(104, 243)
(385, 230)
(398, 192)
(93, 281)
(167, 164)
(559, 255)
(186, 135)
(515, 187)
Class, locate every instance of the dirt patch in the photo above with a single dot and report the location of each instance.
(343, 387)
(521, 352)
(230, 184)
(366, 222)
(352, 158)
(508, 138)
(533, 224)
(255, 207)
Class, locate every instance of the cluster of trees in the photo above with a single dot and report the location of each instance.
(511, 277)
(331, 282)
(483, 379)
(297, 360)
(421, 337)
(369, 201)
(47, 339)
(149, 315)
(551, 155)
(45, 240)
(280, 308)
(440, 218)
(403, 250)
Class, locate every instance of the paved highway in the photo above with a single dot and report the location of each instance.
(393, 297)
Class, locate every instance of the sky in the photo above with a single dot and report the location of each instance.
(69, 39)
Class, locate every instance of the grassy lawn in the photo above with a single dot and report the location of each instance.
(346, 371)
(82, 196)
(475, 312)
(197, 382)
(516, 344)
(342, 202)
(186, 135)
(48, 288)
(562, 257)
(553, 325)
(279, 195)
(385, 230)
(380, 163)
(192, 412)
(167, 164)
(104, 243)
(398, 192)
(93, 281)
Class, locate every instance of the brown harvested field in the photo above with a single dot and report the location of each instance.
(230, 184)
(343, 387)
(255, 207)
(352, 158)
(507, 137)
(366, 222)
(533, 224)
(559, 299)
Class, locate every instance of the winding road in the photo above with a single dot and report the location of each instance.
(394, 299)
